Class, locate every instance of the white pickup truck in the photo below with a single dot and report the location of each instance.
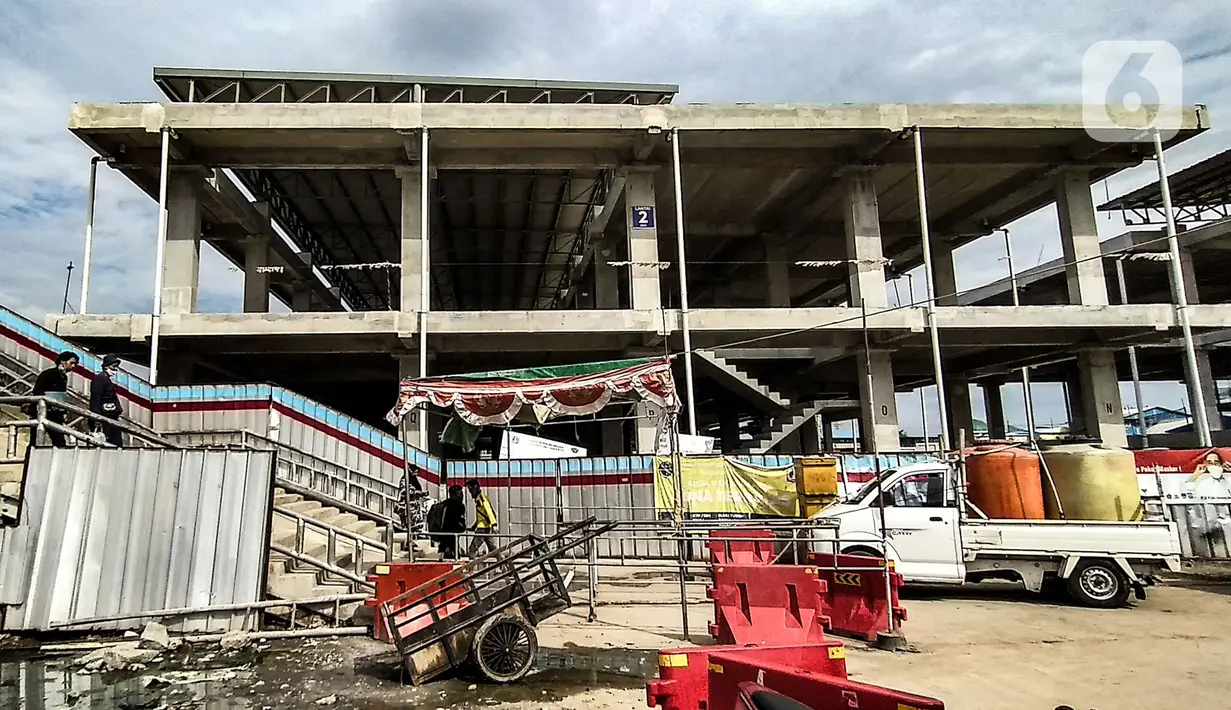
(931, 539)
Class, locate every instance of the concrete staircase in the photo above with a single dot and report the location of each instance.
(785, 416)
(741, 382)
(320, 547)
(783, 425)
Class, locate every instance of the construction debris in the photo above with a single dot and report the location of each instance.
(120, 657)
(155, 635)
(234, 640)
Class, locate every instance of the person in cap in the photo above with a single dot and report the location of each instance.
(105, 400)
(484, 529)
(53, 383)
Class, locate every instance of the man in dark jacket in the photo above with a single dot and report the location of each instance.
(105, 400)
(53, 383)
(454, 523)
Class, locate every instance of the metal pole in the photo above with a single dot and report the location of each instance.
(425, 263)
(679, 236)
(89, 234)
(1132, 361)
(1027, 397)
(1200, 420)
(931, 291)
(68, 283)
(159, 253)
(876, 459)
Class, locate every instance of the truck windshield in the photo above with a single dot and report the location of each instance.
(865, 488)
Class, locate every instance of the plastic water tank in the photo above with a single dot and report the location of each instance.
(1004, 482)
(1092, 481)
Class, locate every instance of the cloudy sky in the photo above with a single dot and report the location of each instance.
(55, 52)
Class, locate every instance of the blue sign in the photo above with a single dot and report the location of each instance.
(643, 218)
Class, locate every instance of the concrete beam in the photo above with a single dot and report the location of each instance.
(151, 117)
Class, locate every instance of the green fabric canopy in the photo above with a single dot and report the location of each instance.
(542, 373)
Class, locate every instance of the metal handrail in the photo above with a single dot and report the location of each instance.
(349, 576)
(352, 473)
(42, 424)
(357, 541)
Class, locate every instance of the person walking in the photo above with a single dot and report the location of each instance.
(485, 527)
(453, 523)
(53, 384)
(105, 400)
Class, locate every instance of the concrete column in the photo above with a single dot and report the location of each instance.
(996, 425)
(181, 271)
(612, 434)
(961, 411)
(810, 437)
(413, 213)
(1073, 397)
(1100, 397)
(256, 283)
(878, 422)
(647, 428)
(301, 297)
(827, 442)
(1205, 373)
(1209, 387)
(777, 273)
(641, 218)
(861, 214)
(1079, 239)
(606, 277)
(945, 276)
(1189, 276)
(408, 366)
(728, 425)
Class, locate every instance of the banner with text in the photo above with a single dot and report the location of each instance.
(1185, 475)
(722, 488)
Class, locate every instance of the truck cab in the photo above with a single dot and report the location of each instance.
(921, 517)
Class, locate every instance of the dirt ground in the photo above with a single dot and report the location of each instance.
(983, 648)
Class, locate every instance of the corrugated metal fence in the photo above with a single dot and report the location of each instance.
(524, 492)
(1204, 529)
(108, 532)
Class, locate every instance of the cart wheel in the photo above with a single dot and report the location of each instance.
(504, 648)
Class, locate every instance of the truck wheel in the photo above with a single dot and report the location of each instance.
(863, 552)
(504, 648)
(1098, 583)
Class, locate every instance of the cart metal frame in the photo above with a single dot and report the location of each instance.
(433, 625)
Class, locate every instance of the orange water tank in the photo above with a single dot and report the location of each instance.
(1004, 481)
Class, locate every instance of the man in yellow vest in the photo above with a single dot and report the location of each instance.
(484, 528)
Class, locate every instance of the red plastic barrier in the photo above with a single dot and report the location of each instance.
(731, 677)
(684, 673)
(855, 601)
(744, 550)
(394, 578)
(768, 605)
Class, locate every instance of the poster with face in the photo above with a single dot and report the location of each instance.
(1185, 475)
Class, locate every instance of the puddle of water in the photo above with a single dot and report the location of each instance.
(53, 684)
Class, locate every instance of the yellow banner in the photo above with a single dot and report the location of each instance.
(719, 486)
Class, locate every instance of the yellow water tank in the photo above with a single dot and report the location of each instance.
(816, 482)
(1092, 482)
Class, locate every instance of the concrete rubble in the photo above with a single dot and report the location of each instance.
(128, 656)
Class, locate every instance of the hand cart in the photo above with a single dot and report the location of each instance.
(485, 612)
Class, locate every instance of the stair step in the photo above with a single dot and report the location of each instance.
(303, 507)
(286, 498)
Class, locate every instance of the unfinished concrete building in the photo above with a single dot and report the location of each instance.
(489, 224)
